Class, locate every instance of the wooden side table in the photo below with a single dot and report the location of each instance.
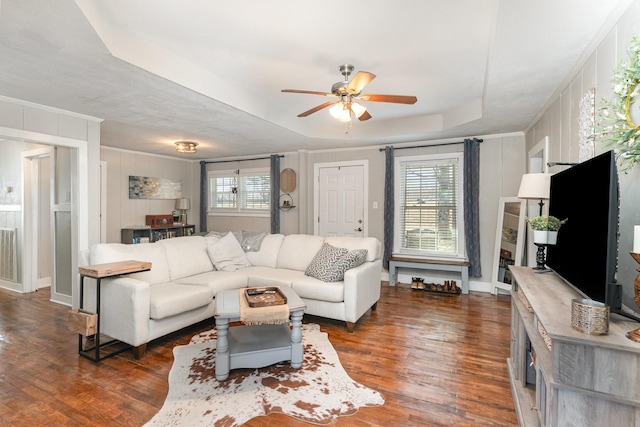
(99, 272)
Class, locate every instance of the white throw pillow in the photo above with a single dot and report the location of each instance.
(227, 254)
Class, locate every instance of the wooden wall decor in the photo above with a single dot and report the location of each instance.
(287, 180)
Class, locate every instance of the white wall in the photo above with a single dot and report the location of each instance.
(560, 123)
(123, 212)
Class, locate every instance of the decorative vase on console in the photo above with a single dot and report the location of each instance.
(545, 232)
(635, 334)
(545, 237)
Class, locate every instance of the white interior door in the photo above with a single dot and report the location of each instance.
(341, 200)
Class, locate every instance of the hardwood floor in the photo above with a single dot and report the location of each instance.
(439, 360)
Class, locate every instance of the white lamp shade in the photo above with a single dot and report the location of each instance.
(341, 112)
(358, 109)
(183, 204)
(535, 186)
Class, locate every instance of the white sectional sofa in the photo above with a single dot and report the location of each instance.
(180, 287)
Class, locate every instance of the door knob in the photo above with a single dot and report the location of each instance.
(357, 229)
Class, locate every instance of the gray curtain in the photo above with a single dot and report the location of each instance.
(275, 193)
(388, 206)
(471, 204)
(204, 199)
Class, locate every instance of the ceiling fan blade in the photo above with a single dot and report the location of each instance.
(364, 116)
(359, 81)
(318, 108)
(309, 92)
(397, 99)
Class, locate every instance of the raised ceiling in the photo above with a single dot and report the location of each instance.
(212, 71)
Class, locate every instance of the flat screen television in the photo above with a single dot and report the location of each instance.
(586, 252)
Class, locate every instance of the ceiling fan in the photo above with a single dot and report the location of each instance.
(349, 93)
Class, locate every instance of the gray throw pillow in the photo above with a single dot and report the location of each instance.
(330, 262)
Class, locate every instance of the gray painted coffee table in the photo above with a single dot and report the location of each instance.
(249, 346)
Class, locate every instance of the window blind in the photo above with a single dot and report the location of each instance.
(429, 206)
(256, 192)
(240, 190)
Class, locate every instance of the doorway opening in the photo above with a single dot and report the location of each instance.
(538, 158)
(38, 180)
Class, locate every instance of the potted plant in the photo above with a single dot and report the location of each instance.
(545, 229)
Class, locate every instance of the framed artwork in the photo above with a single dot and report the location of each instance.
(145, 187)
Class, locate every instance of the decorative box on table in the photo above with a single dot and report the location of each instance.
(159, 220)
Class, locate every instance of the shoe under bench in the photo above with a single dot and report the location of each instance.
(461, 267)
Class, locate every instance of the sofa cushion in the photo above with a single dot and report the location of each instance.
(186, 256)
(227, 254)
(169, 299)
(311, 288)
(217, 280)
(266, 276)
(149, 252)
(267, 256)
(298, 250)
(371, 244)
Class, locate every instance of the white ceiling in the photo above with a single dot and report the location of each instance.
(159, 71)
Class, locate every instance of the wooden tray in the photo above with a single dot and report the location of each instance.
(265, 297)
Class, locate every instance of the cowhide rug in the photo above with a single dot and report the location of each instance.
(317, 393)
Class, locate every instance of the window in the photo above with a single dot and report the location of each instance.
(245, 192)
(429, 209)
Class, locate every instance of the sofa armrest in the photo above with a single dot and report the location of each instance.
(124, 308)
(361, 289)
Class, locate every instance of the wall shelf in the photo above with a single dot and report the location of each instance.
(286, 202)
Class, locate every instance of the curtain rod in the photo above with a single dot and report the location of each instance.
(239, 160)
(430, 145)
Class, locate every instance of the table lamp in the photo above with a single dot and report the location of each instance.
(534, 186)
(183, 205)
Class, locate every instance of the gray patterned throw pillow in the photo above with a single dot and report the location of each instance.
(330, 262)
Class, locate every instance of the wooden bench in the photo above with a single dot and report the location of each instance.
(461, 267)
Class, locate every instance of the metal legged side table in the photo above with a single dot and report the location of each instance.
(99, 272)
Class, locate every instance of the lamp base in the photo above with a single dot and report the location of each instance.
(540, 257)
(183, 218)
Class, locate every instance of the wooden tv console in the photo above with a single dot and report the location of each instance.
(560, 376)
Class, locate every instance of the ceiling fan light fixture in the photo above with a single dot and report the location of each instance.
(341, 112)
(358, 109)
(347, 91)
(186, 147)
